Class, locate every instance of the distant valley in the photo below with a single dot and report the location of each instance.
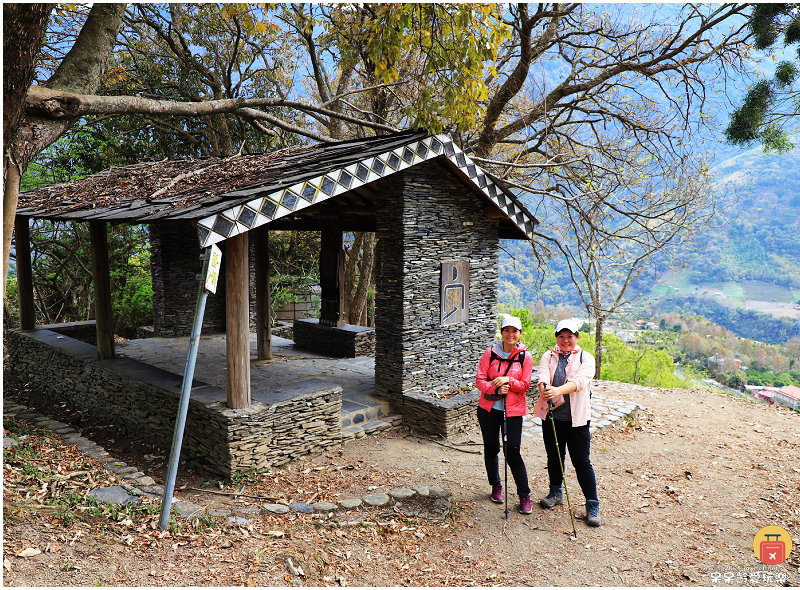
(748, 262)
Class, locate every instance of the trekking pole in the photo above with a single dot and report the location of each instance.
(505, 457)
(561, 464)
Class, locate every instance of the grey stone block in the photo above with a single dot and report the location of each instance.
(276, 508)
(301, 507)
(350, 503)
(402, 494)
(376, 499)
(113, 495)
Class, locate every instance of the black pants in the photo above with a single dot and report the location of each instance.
(577, 439)
(491, 428)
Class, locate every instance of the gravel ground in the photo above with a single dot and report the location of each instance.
(683, 493)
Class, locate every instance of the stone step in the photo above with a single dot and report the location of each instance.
(371, 427)
(358, 409)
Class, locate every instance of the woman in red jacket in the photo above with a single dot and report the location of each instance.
(504, 375)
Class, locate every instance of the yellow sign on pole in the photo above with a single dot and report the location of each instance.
(213, 269)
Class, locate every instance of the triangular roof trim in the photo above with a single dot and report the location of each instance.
(265, 207)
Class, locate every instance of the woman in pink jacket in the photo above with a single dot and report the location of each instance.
(504, 375)
(565, 374)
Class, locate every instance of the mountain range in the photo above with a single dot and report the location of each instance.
(749, 258)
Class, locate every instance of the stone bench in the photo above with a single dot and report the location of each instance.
(348, 341)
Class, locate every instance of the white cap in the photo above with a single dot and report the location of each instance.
(510, 320)
(570, 325)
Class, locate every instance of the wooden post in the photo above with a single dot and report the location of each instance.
(331, 273)
(27, 311)
(263, 320)
(101, 281)
(237, 319)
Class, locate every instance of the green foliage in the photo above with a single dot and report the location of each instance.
(132, 292)
(642, 364)
(76, 154)
(62, 275)
(294, 266)
(768, 378)
(771, 107)
(448, 46)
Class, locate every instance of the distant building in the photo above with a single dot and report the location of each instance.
(789, 396)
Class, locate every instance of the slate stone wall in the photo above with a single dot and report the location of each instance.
(174, 264)
(347, 341)
(428, 216)
(175, 261)
(145, 399)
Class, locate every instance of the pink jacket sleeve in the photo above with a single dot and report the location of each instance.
(481, 380)
(585, 373)
(544, 368)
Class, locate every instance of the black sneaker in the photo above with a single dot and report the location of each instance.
(554, 498)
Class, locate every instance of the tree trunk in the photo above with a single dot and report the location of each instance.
(10, 198)
(350, 277)
(23, 33)
(598, 345)
(80, 71)
(358, 314)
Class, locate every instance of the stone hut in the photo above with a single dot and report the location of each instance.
(438, 219)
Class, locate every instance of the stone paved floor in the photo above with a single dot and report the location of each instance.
(356, 376)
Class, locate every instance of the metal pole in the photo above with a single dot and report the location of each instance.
(186, 388)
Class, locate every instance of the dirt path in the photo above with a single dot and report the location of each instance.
(682, 494)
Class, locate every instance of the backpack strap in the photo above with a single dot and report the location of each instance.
(520, 358)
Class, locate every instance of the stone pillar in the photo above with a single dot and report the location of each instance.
(331, 271)
(22, 243)
(426, 217)
(101, 284)
(174, 266)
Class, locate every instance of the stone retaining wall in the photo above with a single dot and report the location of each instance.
(443, 417)
(348, 341)
(145, 399)
(448, 417)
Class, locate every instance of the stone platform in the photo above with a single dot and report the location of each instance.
(302, 402)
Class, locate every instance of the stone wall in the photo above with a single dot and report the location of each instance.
(348, 341)
(442, 417)
(145, 399)
(451, 416)
(428, 216)
(175, 263)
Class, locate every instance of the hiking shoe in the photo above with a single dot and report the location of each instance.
(497, 494)
(554, 498)
(593, 513)
(525, 504)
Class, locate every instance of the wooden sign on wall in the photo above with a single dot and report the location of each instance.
(454, 292)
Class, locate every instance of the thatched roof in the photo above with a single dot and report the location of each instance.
(227, 196)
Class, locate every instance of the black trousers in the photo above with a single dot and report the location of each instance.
(576, 439)
(491, 427)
